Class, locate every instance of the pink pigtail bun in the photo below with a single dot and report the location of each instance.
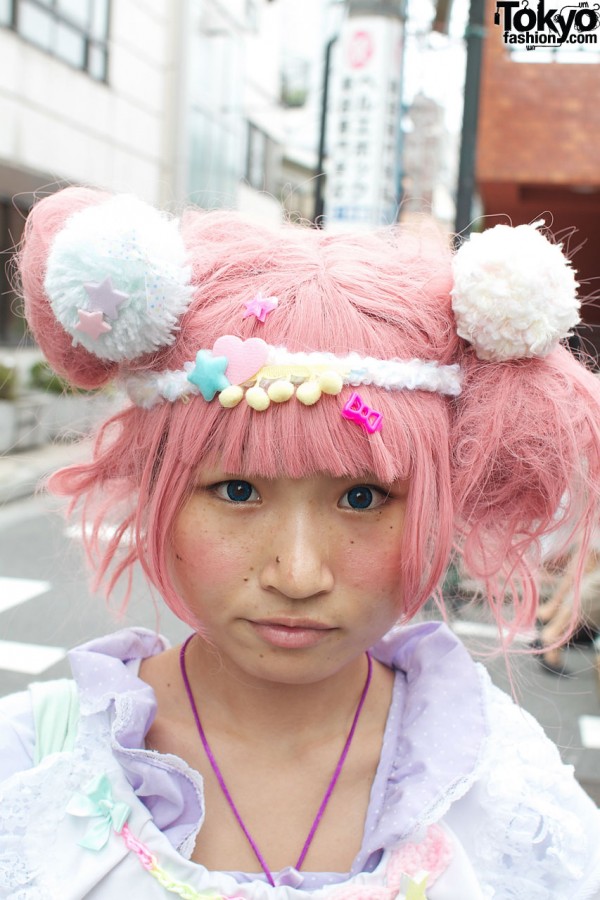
(80, 367)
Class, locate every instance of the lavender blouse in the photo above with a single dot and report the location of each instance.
(433, 737)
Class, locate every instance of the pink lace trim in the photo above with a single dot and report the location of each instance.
(412, 868)
(432, 855)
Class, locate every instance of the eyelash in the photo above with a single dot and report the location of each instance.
(223, 487)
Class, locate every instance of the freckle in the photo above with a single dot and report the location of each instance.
(177, 556)
(246, 579)
(351, 542)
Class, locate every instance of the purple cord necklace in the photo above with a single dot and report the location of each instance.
(221, 780)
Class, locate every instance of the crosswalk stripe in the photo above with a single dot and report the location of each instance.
(105, 533)
(30, 659)
(14, 591)
(589, 729)
(465, 628)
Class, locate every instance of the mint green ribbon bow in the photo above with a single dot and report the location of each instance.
(98, 803)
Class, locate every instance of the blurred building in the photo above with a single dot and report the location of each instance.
(231, 129)
(539, 130)
(428, 161)
(422, 151)
(82, 99)
(173, 100)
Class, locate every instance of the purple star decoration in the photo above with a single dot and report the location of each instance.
(104, 298)
(260, 306)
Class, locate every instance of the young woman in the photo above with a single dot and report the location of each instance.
(316, 422)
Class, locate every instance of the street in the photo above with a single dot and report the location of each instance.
(46, 607)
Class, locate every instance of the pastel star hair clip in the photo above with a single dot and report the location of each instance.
(104, 298)
(260, 306)
(92, 324)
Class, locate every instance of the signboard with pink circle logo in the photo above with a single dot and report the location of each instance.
(364, 119)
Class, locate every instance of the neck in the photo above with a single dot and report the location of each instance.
(251, 706)
(225, 790)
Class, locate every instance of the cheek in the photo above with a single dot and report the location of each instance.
(373, 562)
(204, 557)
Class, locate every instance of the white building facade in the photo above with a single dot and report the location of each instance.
(172, 100)
(83, 94)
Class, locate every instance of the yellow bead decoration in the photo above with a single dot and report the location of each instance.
(280, 391)
(231, 396)
(257, 398)
(308, 393)
(331, 382)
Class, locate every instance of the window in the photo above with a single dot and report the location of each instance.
(6, 12)
(75, 31)
(256, 162)
(12, 324)
(262, 160)
(252, 15)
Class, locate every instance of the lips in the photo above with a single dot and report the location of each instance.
(289, 633)
(286, 622)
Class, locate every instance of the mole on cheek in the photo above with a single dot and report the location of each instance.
(180, 558)
(246, 579)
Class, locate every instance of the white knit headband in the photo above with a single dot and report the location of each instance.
(282, 374)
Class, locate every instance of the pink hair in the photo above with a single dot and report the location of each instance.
(487, 469)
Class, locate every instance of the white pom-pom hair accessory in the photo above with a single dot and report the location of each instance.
(118, 279)
(515, 294)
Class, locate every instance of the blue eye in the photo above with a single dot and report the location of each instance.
(239, 491)
(360, 497)
(236, 490)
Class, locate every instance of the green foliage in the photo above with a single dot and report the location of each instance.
(45, 379)
(294, 98)
(8, 382)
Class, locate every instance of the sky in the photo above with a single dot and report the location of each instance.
(434, 64)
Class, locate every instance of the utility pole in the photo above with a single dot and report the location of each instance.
(468, 147)
(320, 173)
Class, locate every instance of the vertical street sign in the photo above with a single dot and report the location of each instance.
(362, 175)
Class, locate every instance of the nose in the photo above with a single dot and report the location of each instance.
(297, 562)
